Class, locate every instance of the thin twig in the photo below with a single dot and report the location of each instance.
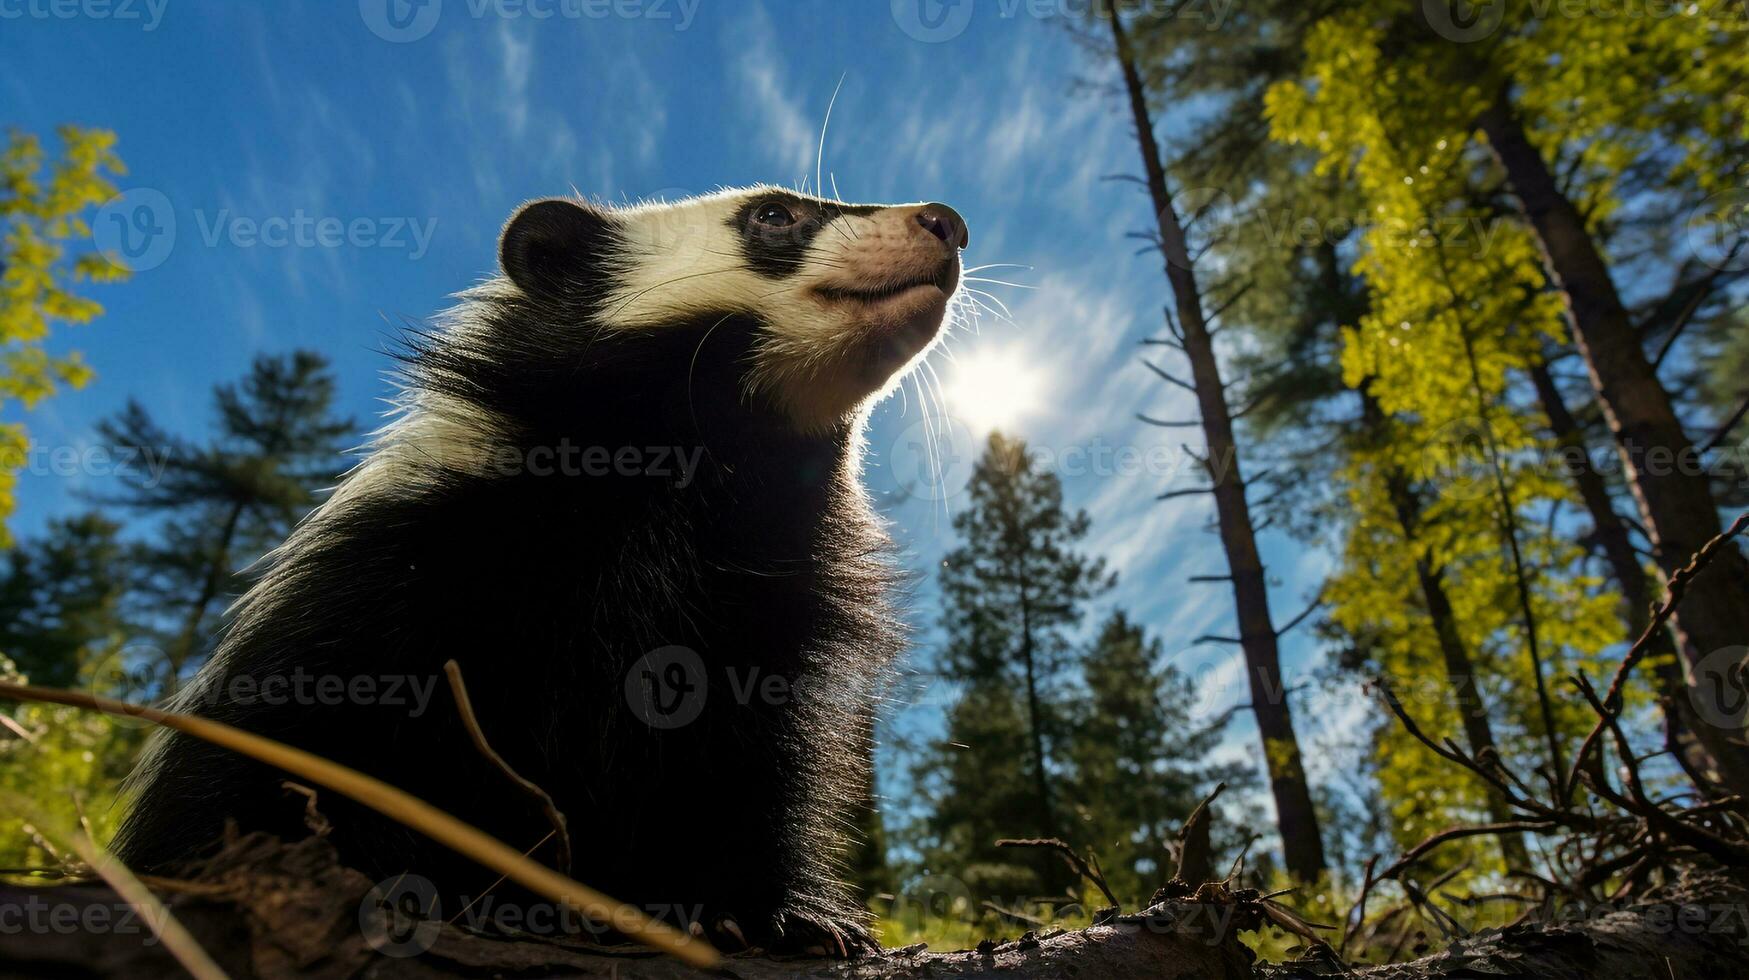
(1075, 861)
(1612, 700)
(471, 722)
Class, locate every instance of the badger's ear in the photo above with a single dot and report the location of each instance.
(553, 248)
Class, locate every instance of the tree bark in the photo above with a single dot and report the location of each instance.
(1302, 846)
(1664, 469)
(189, 638)
(1611, 534)
(1607, 526)
(1035, 719)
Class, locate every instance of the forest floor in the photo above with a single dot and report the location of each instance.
(263, 908)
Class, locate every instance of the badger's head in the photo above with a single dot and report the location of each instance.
(839, 298)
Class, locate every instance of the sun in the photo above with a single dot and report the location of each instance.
(994, 388)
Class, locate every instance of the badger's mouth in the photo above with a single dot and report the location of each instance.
(943, 279)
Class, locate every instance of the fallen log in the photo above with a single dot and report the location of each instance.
(263, 908)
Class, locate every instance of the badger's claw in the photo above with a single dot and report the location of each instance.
(732, 929)
(821, 932)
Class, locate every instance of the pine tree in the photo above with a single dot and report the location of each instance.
(1193, 334)
(1013, 592)
(224, 502)
(1137, 758)
(63, 599)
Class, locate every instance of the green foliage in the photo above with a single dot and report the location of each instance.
(67, 762)
(222, 502)
(1089, 741)
(63, 623)
(40, 218)
(1457, 308)
(1012, 593)
(61, 599)
(1137, 759)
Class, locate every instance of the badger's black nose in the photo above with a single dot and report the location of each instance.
(944, 223)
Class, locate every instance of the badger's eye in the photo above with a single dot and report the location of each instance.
(774, 215)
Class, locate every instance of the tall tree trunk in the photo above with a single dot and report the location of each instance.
(1611, 534)
(209, 588)
(1675, 501)
(1610, 530)
(1302, 845)
(1047, 813)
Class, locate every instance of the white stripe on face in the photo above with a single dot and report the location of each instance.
(848, 295)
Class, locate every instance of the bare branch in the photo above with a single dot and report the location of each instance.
(1212, 638)
(1725, 430)
(1316, 603)
(1164, 424)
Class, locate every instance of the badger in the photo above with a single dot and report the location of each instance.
(621, 490)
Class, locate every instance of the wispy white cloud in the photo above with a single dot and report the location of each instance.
(787, 134)
(515, 68)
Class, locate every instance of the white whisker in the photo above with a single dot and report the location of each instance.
(973, 293)
(820, 152)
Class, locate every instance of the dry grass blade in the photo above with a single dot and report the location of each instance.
(409, 810)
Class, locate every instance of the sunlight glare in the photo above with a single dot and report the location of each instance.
(994, 388)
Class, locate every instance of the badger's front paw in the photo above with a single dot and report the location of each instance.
(806, 928)
(822, 930)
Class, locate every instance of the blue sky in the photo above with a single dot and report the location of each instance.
(421, 141)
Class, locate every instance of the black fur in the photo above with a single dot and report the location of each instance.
(548, 588)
